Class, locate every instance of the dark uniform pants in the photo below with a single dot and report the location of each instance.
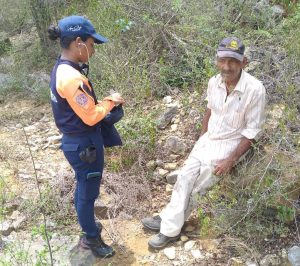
(88, 176)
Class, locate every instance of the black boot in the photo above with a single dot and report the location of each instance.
(97, 246)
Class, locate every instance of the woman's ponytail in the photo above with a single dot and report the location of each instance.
(53, 32)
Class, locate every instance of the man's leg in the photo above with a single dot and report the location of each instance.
(173, 215)
(204, 182)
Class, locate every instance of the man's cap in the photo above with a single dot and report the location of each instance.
(78, 26)
(231, 47)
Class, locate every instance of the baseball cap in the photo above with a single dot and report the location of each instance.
(231, 47)
(77, 26)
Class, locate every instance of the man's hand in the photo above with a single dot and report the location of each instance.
(224, 166)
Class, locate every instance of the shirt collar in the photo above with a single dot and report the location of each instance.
(240, 86)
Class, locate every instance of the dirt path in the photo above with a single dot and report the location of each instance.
(18, 176)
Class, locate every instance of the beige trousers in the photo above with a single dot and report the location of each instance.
(194, 179)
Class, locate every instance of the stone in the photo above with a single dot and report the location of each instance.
(251, 263)
(174, 127)
(6, 228)
(172, 177)
(294, 255)
(162, 172)
(278, 11)
(18, 222)
(151, 165)
(184, 238)
(189, 228)
(170, 253)
(169, 188)
(193, 113)
(271, 260)
(166, 118)
(196, 253)
(175, 145)
(167, 99)
(210, 245)
(236, 262)
(15, 215)
(159, 162)
(176, 263)
(189, 245)
(54, 139)
(81, 257)
(252, 66)
(170, 166)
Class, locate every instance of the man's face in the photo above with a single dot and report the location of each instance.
(230, 68)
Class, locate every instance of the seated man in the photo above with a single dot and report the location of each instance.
(232, 122)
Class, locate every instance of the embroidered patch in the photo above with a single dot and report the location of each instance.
(233, 45)
(74, 28)
(81, 99)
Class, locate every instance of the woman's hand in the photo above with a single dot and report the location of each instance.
(116, 98)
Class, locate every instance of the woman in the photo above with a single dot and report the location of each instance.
(86, 124)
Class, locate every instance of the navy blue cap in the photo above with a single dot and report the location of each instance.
(77, 26)
(231, 47)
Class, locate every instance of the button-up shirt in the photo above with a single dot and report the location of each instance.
(233, 116)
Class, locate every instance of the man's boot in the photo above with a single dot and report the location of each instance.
(159, 241)
(152, 223)
(97, 246)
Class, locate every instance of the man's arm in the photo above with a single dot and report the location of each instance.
(205, 121)
(224, 166)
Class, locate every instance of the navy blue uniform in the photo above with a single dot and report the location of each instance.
(78, 138)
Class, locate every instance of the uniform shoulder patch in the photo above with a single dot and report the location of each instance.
(81, 99)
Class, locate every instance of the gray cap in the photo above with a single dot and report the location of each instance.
(231, 47)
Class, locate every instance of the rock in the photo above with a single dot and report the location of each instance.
(162, 172)
(175, 145)
(169, 188)
(174, 127)
(236, 262)
(167, 99)
(166, 118)
(30, 128)
(6, 228)
(252, 66)
(176, 263)
(54, 139)
(251, 263)
(189, 228)
(25, 176)
(151, 165)
(196, 253)
(170, 166)
(193, 113)
(278, 11)
(275, 116)
(5, 79)
(210, 245)
(172, 177)
(15, 215)
(159, 162)
(189, 245)
(18, 222)
(170, 253)
(81, 257)
(39, 80)
(184, 238)
(294, 256)
(271, 260)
